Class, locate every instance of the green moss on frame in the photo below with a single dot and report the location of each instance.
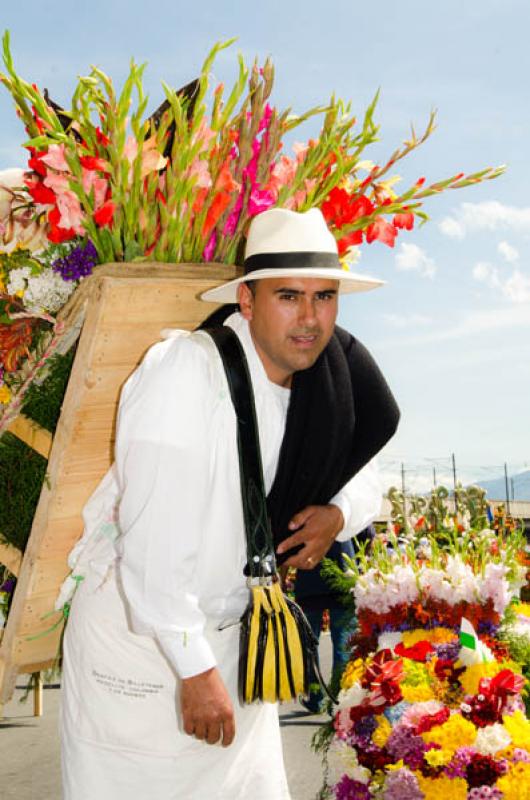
(43, 403)
(22, 473)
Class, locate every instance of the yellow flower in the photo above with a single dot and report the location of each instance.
(470, 679)
(448, 788)
(382, 732)
(522, 608)
(516, 783)
(434, 636)
(398, 765)
(519, 729)
(354, 672)
(417, 694)
(456, 732)
(438, 758)
(5, 395)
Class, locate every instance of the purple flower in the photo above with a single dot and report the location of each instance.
(402, 785)
(79, 262)
(403, 744)
(9, 586)
(457, 767)
(365, 726)
(348, 789)
(447, 651)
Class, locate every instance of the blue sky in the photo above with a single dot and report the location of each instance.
(451, 327)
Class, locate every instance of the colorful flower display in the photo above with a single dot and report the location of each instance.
(431, 703)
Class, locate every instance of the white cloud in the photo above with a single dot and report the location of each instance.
(489, 215)
(486, 273)
(406, 321)
(412, 258)
(516, 287)
(508, 252)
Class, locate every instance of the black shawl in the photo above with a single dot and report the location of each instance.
(341, 414)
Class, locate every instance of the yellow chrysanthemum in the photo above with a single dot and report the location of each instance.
(470, 679)
(438, 758)
(382, 732)
(519, 729)
(354, 672)
(516, 783)
(434, 636)
(456, 732)
(415, 673)
(394, 767)
(448, 788)
(522, 608)
(417, 694)
(5, 395)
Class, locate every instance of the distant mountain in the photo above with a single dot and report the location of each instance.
(518, 487)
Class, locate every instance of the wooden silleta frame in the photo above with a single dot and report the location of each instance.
(122, 309)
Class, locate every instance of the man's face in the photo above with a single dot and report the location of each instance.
(291, 321)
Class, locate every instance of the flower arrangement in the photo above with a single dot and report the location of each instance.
(432, 700)
(106, 182)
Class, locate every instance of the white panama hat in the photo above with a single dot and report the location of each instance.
(283, 243)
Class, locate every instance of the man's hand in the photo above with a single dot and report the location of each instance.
(316, 528)
(207, 711)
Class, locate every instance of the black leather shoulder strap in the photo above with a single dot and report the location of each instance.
(260, 548)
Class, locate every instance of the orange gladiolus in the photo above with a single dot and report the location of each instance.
(220, 203)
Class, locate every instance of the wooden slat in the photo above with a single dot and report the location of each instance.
(126, 308)
(10, 557)
(32, 434)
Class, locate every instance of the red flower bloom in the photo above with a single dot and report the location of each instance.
(35, 162)
(219, 205)
(341, 208)
(430, 721)
(381, 230)
(404, 220)
(94, 163)
(40, 193)
(15, 341)
(104, 214)
(353, 238)
(102, 139)
(418, 651)
(57, 234)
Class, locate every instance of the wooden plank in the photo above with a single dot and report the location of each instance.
(10, 557)
(126, 308)
(32, 434)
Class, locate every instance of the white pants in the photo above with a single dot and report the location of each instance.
(120, 724)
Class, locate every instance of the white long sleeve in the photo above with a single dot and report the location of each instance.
(163, 470)
(360, 501)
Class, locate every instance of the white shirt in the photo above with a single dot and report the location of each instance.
(181, 546)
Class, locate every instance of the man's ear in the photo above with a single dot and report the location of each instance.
(245, 298)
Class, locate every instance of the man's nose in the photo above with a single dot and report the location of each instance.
(307, 311)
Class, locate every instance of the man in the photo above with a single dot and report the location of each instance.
(151, 648)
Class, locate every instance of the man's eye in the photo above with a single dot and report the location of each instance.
(325, 296)
(287, 296)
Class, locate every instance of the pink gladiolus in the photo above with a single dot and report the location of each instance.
(70, 211)
(300, 150)
(259, 200)
(283, 172)
(130, 151)
(199, 170)
(210, 247)
(381, 230)
(55, 159)
(233, 218)
(58, 183)
(295, 200)
(99, 185)
(266, 118)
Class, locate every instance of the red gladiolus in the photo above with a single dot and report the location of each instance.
(219, 205)
(342, 208)
(353, 238)
(404, 220)
(382, 231)
(93, 163)
(102, 139)
(40, 193)
(36, 164)
(104, 214)
(55, 233)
